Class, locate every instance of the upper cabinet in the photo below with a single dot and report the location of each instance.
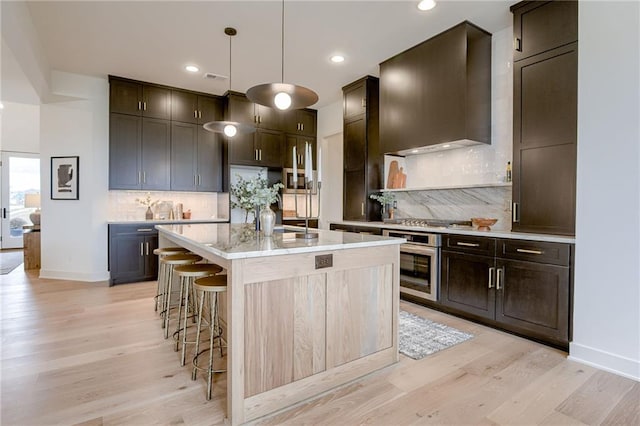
(134, 98)
(436, 92)
(188, 107)
(539, 26)
(241, 109)
(545, 84)
(300, 122)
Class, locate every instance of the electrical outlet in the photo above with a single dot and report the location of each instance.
(324, 261)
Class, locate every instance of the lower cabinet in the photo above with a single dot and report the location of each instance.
(520, 286)
(355, 228)
(131, 255)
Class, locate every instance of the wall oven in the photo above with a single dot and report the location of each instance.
(289, 181)
(419, 263)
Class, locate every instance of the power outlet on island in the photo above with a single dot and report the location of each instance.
(324, 261)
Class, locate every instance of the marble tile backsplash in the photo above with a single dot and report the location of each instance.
(123, 204)
(458, 204)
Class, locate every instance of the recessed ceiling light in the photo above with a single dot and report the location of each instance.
(337, 59)
(426, 4)
(192, 68)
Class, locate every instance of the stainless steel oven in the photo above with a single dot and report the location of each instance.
(289, 180)
(419, 263)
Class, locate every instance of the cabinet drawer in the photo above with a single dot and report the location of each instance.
(469, 244)
(140, 228)
(535, 251)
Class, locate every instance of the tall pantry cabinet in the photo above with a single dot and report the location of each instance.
(545, 116)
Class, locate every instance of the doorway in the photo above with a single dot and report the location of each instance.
(19, 195)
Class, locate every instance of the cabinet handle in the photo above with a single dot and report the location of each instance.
(147, 248)
(514, 213)
(260, 154)
(500, 279)
(199, 114)
(302, 126)
(467, 244)
(199, 180)
(364, 103)
(4, 213)
(144, 230)
(255, 119)
(259, 119)
(139, 177)
(529, 251)
(139, 105)
(195, 114)
(144, 106)
(517, 44)
(255, 154)
(362, 209)
(141, 249)
(144, 177)
(492, 271)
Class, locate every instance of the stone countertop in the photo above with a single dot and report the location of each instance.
(238, 241)
(468, 231)
(166, 221)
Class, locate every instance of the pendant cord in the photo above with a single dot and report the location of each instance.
(230, 63)
(282, 42)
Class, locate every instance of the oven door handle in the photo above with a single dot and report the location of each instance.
(415, 249)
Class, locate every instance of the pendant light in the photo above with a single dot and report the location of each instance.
(282, 95)
(229, 128)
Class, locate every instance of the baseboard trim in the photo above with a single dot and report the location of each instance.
(606, 361)
(74, 276)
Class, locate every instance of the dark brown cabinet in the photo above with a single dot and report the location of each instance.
(363, 163)
(520, 286)
(300, 122)
(131, 255)
(545, 117)
(355, 228)
(443, 94)
(135, 98)
(300, 143)
(196, 158)
(241, 109)
(139, 152)
(188, 107)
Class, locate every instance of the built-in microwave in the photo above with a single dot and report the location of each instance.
(290, 181)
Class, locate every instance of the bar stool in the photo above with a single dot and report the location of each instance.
(187, 274)
(209, 288)
(170, 262)
(161, 252)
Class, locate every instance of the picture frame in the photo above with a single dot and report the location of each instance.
(65, 178)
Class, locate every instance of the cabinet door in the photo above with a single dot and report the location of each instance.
(355, 145)
(151, 260)
(299, 142)
(184, 138)
(242, 149)
(545, 136)
(541, 26)
(534, 297)
(240, 109)
(209, 161)
(267, 118)
(184, 107)
(125, 136)
(125, 97)
(465, 284)
(127, 258)
(355, 101)
(156, 151)
(354, 195)
(300, 122)
(210, 109)
(156, 102)
(269, 144)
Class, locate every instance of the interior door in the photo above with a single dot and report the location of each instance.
(20, 176)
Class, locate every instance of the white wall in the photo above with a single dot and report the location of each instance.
(20, 128)
(331, 140)
(74, 232)
(607, 277)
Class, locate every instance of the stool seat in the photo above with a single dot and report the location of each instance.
(210, 284)
(181, 259)
(170, 262)
(198, 269)
(170, 250)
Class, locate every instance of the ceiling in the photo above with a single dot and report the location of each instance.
(153, 40)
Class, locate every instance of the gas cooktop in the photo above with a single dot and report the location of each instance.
(431, 223)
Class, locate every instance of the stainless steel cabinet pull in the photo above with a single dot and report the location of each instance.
(144, 106)
(139, 177)
(514, 213)
(492, 271)
(517, 44)
(260, 155)
(364, 103)
(529, 251)
(199, 180)
(195, 114)
(144, 177)
(4, 213)
(141, 249)
(199, 114)
(362, 209)
(259, 119)
(144, 229)
(255, 154)
(499, 279)
(147, 250)
(139, 105)
(468, 244)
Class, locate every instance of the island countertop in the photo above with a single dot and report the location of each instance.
(240, 241)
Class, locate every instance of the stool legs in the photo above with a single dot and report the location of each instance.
(215, 332)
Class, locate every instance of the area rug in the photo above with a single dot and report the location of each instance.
(420, 337)
(10, 260)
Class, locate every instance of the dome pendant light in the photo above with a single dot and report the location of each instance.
(282, 95)
(229, 128)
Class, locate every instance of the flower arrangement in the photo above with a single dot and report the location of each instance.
(384, 198)
(147, 201)
(249, 194)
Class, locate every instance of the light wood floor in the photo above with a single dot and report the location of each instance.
(82, 353)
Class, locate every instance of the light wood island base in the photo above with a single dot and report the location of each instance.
(295, 331)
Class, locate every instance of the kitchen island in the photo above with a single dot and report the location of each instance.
(301, 316)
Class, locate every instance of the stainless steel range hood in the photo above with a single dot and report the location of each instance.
(444, 146)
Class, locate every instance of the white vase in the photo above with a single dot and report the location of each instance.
(267, 220)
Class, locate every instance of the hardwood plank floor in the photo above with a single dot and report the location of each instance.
(86, 354)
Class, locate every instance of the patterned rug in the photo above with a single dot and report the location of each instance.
(420, 337)
(10, 260)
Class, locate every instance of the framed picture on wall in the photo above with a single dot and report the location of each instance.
(64, 178)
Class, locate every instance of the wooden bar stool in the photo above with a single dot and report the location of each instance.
(187, 274)
(161, 252)
(207, 289)
(170, 262)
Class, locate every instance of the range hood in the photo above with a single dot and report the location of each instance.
(444, 146)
